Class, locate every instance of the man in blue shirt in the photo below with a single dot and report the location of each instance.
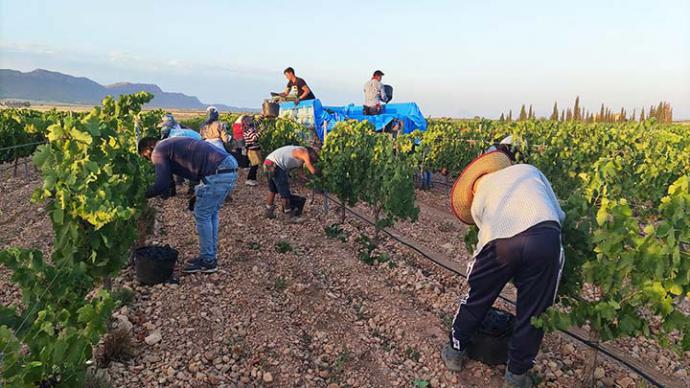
(199, 161)
(171, 128)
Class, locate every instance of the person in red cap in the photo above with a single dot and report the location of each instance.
(519, 220)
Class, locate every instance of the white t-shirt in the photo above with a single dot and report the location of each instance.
(512, 200)
(283, 158)
(373, 92)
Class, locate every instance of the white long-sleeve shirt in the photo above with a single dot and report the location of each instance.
(373, 92)
(512, 200)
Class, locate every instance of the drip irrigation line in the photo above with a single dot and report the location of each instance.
(22, 145)
(569, 333)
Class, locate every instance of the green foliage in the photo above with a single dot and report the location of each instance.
(345, 161)
(196, 122)
(359, 165)
(93, 189)
(412, 354)
(283, 246)
(335, 231)
(24, 129)
(277, 132)
(124, 296)
(59, 326)
(147, 123)
(421, 383)
(366, 251)
(449, 145)
(280, 284)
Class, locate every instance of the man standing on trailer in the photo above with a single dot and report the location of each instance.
(196, 160)
(278, 165)
(519, 220)
(296, 87)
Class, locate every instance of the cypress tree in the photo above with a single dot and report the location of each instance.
(501, 118)
(523, 113)
(642, 115)
(530, 114)
(510, 115)
(577, 114)
(554, 114)
(569, 115)
(563, 115)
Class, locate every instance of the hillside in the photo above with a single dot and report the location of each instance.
(50, 86)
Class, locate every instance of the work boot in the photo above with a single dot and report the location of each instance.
(269, 211)
(513, 380)
(453, 358)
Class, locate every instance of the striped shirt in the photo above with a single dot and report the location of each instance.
(251, 138)
(512, 200)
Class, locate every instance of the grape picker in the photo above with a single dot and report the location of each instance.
(171, 128)
(201, 161)
(213, 130)
(278, 165)
(519, 220)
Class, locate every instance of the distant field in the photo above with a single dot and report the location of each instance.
(179, 113)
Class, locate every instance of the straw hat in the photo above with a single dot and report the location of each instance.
(461, 195)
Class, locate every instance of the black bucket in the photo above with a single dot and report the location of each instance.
(154, 264)
(297, 202)
(490, 343)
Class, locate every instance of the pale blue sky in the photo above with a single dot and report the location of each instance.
(454, 58)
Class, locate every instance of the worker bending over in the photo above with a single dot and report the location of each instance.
(278, 165)
(519, 220)
(196, 160)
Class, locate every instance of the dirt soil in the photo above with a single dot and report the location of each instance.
(291, 307)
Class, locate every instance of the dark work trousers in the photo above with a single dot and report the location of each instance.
(533, 259)
(252, 172)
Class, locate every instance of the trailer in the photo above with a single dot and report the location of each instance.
(405, 117)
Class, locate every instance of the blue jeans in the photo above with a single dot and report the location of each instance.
(210, 196)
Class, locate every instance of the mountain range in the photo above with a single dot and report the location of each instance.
(53, 87)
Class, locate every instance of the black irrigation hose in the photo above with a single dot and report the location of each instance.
(577, 337)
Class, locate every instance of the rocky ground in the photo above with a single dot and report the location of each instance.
(292, 307)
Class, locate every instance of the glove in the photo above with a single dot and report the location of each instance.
(190, 204)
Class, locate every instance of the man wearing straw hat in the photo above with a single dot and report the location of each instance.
(519, 221)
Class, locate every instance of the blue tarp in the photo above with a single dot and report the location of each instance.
(312, 114)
